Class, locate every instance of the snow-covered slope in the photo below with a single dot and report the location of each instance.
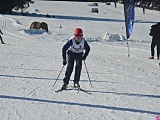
(124, 88)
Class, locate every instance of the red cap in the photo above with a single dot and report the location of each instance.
(78, 31)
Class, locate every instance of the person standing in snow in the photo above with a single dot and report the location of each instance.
(115, 3)
(1, 37)
(155, 33)
(74, 48)
(143, 8)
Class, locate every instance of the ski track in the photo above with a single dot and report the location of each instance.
(10, 34)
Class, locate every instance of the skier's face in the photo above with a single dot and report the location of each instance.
(78, 38)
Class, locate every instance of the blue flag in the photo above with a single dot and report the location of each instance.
(129, 16)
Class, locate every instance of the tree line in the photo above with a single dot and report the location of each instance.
(6, 6)
(153, 1)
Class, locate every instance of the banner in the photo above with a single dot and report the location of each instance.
(129, 16)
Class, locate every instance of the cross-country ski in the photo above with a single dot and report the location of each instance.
(72, 88)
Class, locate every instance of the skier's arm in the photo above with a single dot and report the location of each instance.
(65, 48)
(87, 49)
(1, 32)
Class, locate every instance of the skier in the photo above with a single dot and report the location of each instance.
(143, 9)
(155, 33)
(75, 50)
(115, 3)
(1, 37)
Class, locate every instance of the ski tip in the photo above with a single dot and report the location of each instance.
(59, 90)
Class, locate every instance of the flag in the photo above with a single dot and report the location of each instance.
(129, 16)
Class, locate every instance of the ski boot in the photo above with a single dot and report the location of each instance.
(64, 86)
(76, 85)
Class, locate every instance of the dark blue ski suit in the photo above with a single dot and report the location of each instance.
(75, 52)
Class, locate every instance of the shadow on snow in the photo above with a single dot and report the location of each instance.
(78, 18)
(38, 78)
(80, 104)
(127, 94)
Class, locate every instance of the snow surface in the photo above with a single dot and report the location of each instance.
(124, 88)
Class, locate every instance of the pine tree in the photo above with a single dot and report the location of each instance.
(6, 6)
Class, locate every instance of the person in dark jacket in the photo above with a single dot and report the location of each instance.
(74, 48)
(155, 33)
(1, 37)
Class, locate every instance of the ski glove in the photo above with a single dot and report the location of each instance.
(83, 57)
(64, 62)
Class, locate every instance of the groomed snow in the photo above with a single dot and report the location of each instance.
(124, 88)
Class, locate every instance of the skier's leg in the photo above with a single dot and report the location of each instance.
(1, 40)
(158, 50)
(152, 49)
(78, 68)
(69, 69)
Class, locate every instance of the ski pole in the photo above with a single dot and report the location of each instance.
(87, 73)
(58, 76)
